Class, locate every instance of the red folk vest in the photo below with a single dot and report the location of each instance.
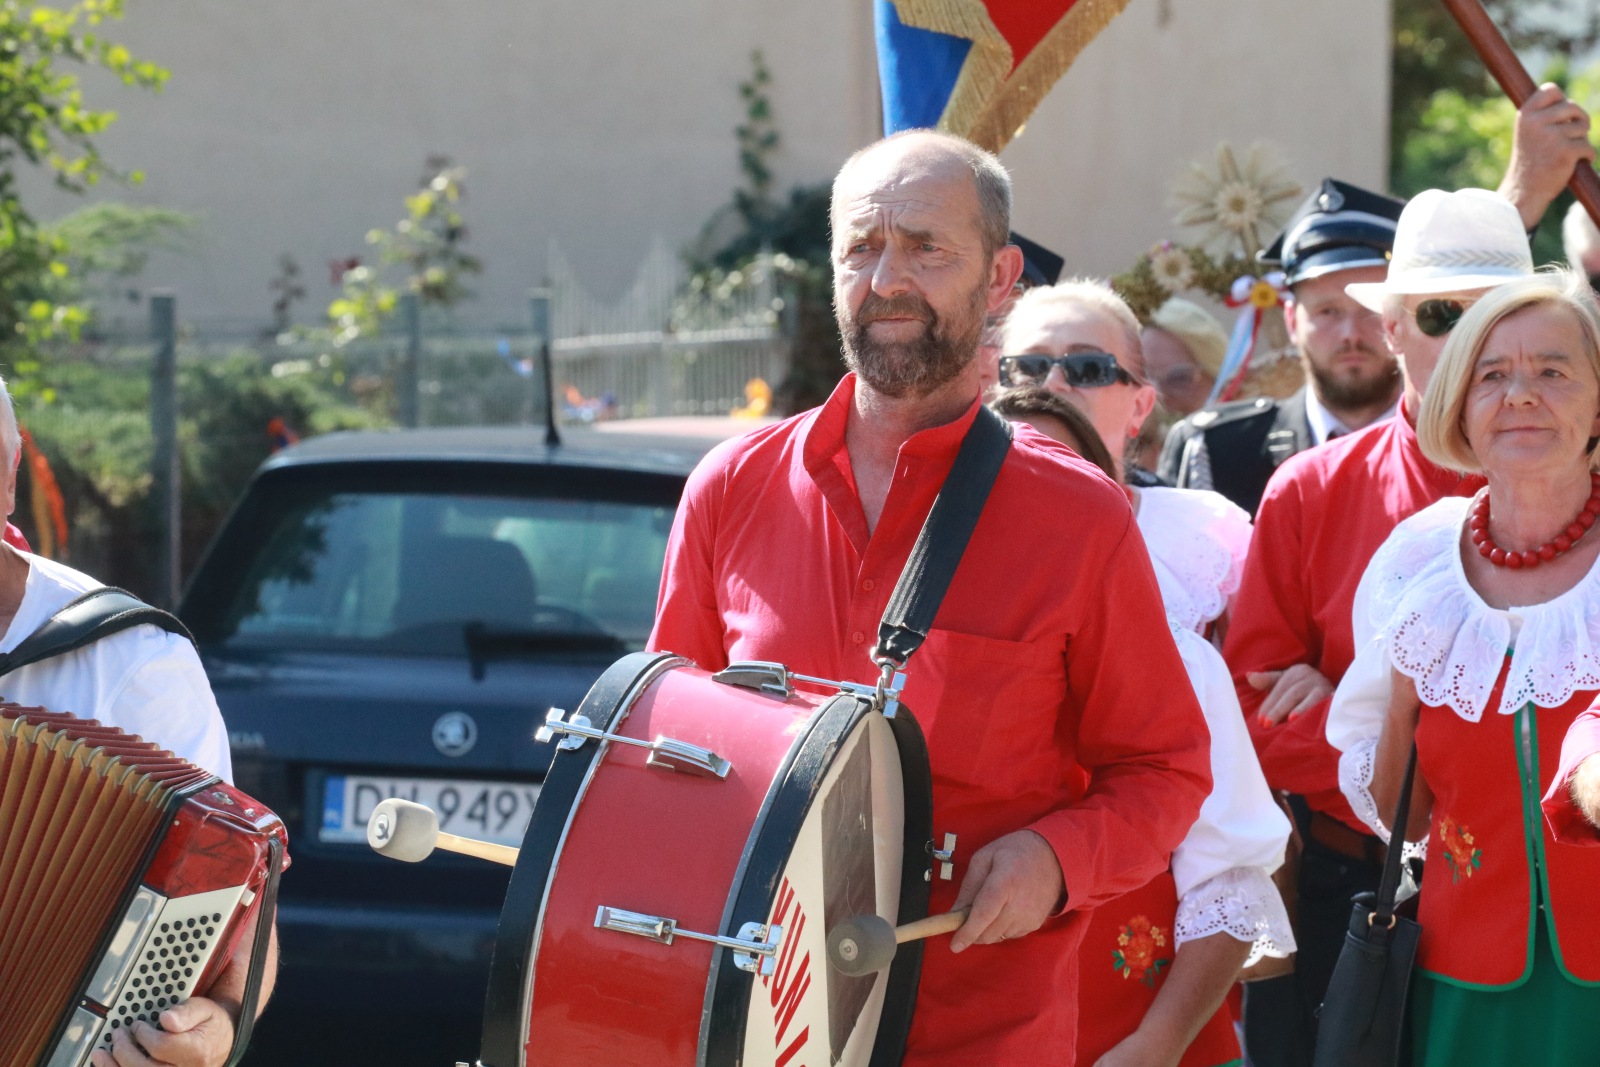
(1123, 961)
(1490, 854)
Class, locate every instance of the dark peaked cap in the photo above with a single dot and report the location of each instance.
(1040, 266)
(1338, 227)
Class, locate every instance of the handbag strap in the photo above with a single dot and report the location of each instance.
(942, 541)
(1389, 884)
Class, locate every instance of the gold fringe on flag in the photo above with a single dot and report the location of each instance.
(988, 63)
(1003, 114)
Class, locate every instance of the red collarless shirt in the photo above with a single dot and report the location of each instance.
(1324, 514)
(1049, 689)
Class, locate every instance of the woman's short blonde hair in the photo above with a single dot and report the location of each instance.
(1440, 429)
(1037, 303)
(1201, 334)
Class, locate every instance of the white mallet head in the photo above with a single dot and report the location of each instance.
(403, 830)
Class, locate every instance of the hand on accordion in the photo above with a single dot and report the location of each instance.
(198, 1032)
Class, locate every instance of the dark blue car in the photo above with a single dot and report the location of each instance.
(391, 614)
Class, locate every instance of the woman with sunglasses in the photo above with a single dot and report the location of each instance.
(1478, 645)
(1157, 963)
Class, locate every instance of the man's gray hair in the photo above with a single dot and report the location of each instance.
(989, 177)
(8, 420)
(1579, 236)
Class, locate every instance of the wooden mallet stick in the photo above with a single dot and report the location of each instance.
(410, 832)
(867, 943)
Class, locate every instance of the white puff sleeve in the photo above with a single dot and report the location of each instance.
(1224, 864)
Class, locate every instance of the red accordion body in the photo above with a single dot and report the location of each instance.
(128, 878)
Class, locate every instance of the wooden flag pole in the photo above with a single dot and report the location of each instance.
(1513, 77)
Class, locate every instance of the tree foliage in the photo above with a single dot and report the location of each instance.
(1433, 56)
(426, 249)
(46, 123)
(97, 437)
(1451, 126)
(757, 233)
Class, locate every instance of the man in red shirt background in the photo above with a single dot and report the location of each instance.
(1068, 753)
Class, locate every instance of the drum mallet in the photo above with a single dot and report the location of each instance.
(867, 943)
(405, 831)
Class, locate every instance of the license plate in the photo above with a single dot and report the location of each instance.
(488, 811)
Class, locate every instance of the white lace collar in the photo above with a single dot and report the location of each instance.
(1439, 632)
(1197, 541)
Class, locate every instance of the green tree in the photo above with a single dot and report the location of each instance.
(1432, 57)
(46, 123)
(1462, 140)
(426, 247)
(757, 232)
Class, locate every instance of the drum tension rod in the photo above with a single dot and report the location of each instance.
(755, 949)
(774, 679)
(665, 752)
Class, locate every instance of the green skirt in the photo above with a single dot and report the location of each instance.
(1547, 1020)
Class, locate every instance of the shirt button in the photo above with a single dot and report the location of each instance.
(858, 637)
(868, 585)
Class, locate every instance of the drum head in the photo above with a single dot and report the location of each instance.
(850, 856)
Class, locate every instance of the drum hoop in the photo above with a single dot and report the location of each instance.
(512, 967)
(754, 888)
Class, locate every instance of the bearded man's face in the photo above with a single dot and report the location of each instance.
(901, 346)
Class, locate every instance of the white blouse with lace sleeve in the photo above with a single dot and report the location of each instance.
(1224, 864)
(1415, 612)
(1197, 541)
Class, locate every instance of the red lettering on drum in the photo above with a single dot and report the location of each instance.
(788, 1054)
(790, 983)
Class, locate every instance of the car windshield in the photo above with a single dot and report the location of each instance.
(451, 574)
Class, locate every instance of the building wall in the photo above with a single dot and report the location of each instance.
(607, 125)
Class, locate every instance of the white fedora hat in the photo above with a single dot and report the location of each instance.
(1451, 242)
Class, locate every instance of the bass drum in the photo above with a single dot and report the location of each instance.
(694, 841)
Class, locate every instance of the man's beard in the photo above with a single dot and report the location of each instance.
(921, 365)
(1345, 394)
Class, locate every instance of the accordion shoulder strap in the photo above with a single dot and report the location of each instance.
(96, 614)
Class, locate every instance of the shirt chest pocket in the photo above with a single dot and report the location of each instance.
(989, 707)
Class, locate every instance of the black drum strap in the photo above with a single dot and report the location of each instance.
(943, 540)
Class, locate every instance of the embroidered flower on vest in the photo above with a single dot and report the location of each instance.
(1458, 851)
(1136, 958)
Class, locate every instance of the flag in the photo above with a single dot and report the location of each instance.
(978, 68)
(45, 500)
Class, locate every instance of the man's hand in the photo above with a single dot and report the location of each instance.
(1551, 138)
(1290, 691)
(196, 1033)
(1013, 884)
(1585, 788)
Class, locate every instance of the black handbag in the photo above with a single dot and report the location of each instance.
(1363, 1018)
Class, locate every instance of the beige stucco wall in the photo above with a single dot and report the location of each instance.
(294, 126)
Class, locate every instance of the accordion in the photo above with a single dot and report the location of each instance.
(128, 878)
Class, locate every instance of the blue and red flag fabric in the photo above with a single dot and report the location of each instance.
(978, 68)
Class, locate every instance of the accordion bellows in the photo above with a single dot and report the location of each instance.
(126, 878)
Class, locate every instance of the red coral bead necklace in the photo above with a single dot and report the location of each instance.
(1478, 528)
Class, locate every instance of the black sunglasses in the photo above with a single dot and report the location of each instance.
(1082, 370)
(1438, 317)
